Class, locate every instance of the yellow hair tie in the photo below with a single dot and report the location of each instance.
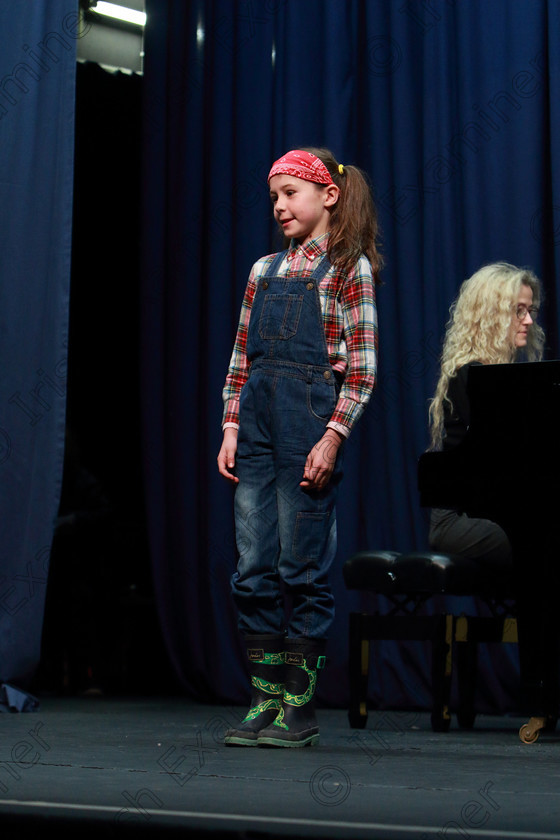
(340, 169)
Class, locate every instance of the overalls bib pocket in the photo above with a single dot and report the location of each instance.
(279, 317)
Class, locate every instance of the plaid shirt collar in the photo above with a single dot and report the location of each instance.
(311, 250)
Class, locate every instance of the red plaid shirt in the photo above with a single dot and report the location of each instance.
(350, 322)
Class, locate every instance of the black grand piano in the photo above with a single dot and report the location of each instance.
(507, 469)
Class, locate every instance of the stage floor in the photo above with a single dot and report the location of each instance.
(124, 767)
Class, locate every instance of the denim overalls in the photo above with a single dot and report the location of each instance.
(286, 534)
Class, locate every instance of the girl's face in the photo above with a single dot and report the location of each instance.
(301, 207)
(521, 318)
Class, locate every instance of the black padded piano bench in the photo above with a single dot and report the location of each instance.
(408, 581)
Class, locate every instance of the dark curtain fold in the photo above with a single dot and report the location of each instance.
(452, 110)
(37, 79)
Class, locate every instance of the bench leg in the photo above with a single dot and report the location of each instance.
(467, 666)
(358, 665)
(442, 666)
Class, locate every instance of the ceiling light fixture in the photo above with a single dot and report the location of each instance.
(123, 13)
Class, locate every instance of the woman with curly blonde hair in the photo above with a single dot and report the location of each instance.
(492, 321)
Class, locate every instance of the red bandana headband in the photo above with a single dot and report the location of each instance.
(302, 164)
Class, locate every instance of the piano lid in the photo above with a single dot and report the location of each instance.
(514, 401)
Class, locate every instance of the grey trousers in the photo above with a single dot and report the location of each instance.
(480, 539)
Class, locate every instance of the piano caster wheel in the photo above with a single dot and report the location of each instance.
(529, 732)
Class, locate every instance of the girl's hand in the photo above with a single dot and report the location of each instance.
(226, 455)
(321, 460)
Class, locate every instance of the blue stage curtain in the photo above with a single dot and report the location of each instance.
(37, 85)
(451, 108)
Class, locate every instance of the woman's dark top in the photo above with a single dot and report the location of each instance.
(456, 417)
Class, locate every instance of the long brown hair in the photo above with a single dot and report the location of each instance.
(353, 224)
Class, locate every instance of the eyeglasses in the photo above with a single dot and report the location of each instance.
(521, 311)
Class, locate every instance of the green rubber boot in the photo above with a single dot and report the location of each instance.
(266, 660)
(296, 724)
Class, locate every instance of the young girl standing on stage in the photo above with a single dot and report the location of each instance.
(303, 368)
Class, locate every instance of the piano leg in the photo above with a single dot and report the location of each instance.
(539, 643)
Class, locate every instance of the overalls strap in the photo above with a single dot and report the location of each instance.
(274, 266)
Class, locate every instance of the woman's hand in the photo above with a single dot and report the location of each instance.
(226, 455)
(321, 460)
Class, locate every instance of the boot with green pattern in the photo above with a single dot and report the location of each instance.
(266, 663)
(296, 724)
